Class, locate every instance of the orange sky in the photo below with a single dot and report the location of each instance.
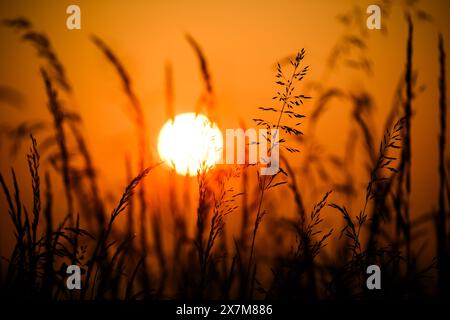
(241, 40)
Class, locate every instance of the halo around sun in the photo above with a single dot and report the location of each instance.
(189, 142)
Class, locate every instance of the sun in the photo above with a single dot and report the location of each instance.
(189, 142)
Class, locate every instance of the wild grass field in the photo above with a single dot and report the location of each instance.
(229, 232)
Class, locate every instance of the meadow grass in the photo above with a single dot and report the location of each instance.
(211, 262)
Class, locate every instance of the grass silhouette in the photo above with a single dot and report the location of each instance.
(118, 263)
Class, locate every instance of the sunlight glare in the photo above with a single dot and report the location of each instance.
(189, 141)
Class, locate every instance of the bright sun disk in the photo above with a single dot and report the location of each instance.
(190, 141)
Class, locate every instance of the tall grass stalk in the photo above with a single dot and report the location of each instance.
(58, 122)
(442, 239)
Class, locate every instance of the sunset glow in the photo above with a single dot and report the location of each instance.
(225, 159)
(189, 141)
